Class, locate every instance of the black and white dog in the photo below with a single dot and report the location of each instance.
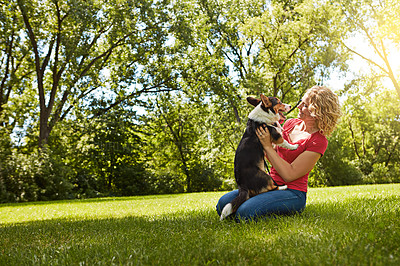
(250, 174)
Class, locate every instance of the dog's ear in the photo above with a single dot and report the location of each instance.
(253, 101)
(265, 100)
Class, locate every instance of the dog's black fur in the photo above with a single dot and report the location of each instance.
(250, 174)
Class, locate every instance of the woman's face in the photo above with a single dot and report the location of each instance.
(304, 113)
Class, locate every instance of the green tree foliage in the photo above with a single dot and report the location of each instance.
(296, 46)
(390, 20)
(177, 126)
(115, 158)
(17, 101)
(279, 48)
(76, 44)
(75, 75)
(103, 153)
(376, 22)
(16, 65)
(374, 127)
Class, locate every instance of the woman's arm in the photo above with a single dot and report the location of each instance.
(304, 163)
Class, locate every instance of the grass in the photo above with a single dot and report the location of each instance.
(357, 225)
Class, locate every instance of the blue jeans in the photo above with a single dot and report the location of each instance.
(277, 202)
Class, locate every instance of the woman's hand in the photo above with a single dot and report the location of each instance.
(264, 137)
(288, 171)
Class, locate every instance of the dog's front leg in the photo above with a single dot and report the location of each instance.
(288, 146)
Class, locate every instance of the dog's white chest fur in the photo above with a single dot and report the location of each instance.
(260, 116)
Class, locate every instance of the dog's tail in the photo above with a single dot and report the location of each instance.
(235, 203)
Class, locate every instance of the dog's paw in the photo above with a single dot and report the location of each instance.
(288, 146)
(293, 146)
(226, 211)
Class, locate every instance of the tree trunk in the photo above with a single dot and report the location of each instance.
(44, 129)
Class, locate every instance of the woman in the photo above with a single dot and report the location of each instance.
(318, 115)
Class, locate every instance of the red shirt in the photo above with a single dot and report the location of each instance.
(316, 142)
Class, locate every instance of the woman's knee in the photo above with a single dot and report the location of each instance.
(246, 212)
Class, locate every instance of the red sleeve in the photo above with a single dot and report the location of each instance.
(317, 143)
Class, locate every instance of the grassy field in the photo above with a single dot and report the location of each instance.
(358, 225)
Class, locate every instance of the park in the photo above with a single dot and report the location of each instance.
(119, 122)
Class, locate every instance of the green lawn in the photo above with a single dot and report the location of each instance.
(358, 225)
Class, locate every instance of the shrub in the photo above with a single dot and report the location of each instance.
(165, 183)
(204, 179)
(35, 176)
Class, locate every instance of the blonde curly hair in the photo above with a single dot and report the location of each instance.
(324, 107)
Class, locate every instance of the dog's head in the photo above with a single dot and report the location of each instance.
(271, 104)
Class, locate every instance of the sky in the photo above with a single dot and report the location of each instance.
(359, 65)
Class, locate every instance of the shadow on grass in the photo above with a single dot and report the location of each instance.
(179, 238)
(351, 231)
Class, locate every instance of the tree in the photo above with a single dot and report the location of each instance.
(296, 46)
(390, 20)
(77, 46)
(15, 67)
(372, 128)
(280, 48)
(175, 134)
(115, 158)
(175, 143)
(374, 20)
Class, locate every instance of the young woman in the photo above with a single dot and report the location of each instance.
(318, 115)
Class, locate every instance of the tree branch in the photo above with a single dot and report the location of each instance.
(354, 140)
(32, 39)
(135, 94)
(365, 58)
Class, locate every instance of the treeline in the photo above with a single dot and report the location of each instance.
(145, 97)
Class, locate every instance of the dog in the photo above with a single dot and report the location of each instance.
(249, 168)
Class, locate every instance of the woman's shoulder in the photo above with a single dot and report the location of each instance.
(319, 136)
(317, 142)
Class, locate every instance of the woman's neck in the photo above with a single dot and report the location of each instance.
(309, 126)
